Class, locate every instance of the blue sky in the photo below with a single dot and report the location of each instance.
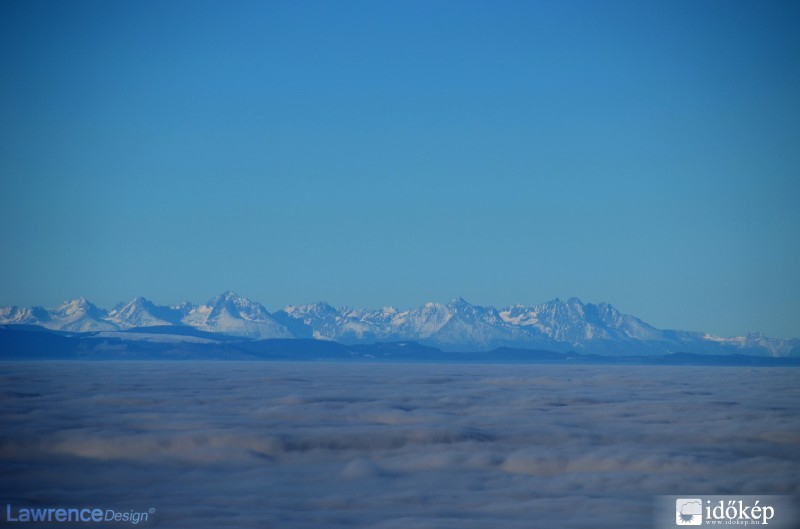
(392, 153)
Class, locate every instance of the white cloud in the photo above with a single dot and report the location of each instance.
(384, 446)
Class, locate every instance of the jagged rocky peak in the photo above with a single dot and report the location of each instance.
(76, 307)
(458, 325)
(229, 297)
(467, 311)
(24, 315)
(318, 308)
(141, 312)
(458, 301)
(138, 303)
(235, 305)
(229, 313)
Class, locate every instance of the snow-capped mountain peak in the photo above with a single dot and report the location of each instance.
(556, 325)
(77, 306)
(78, 315)
(458, 301)
(230, 313)
(141, 312)
(231, 304)
(319, 308)
(24, 315)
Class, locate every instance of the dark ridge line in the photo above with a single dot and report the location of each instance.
(24, 342)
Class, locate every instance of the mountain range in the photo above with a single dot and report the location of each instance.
(458, 326)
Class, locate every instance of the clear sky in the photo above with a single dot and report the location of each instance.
(398, 152)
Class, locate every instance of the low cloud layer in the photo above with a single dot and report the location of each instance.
(392, 446)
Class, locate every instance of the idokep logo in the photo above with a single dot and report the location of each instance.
(747, 510)
(689, 511)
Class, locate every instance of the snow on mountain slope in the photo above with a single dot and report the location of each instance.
(228, 313)
(140, 312)
(23, 315)
(417, 324)
(460, 325)
(386, 324)
(78, 315)
(329, 323)
(456, 326)
(472, 327)
(631, 326)
(578, 323)
(754, 342)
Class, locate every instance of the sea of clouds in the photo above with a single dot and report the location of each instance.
(299, 445)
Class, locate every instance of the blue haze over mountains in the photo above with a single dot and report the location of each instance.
(458, 326)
